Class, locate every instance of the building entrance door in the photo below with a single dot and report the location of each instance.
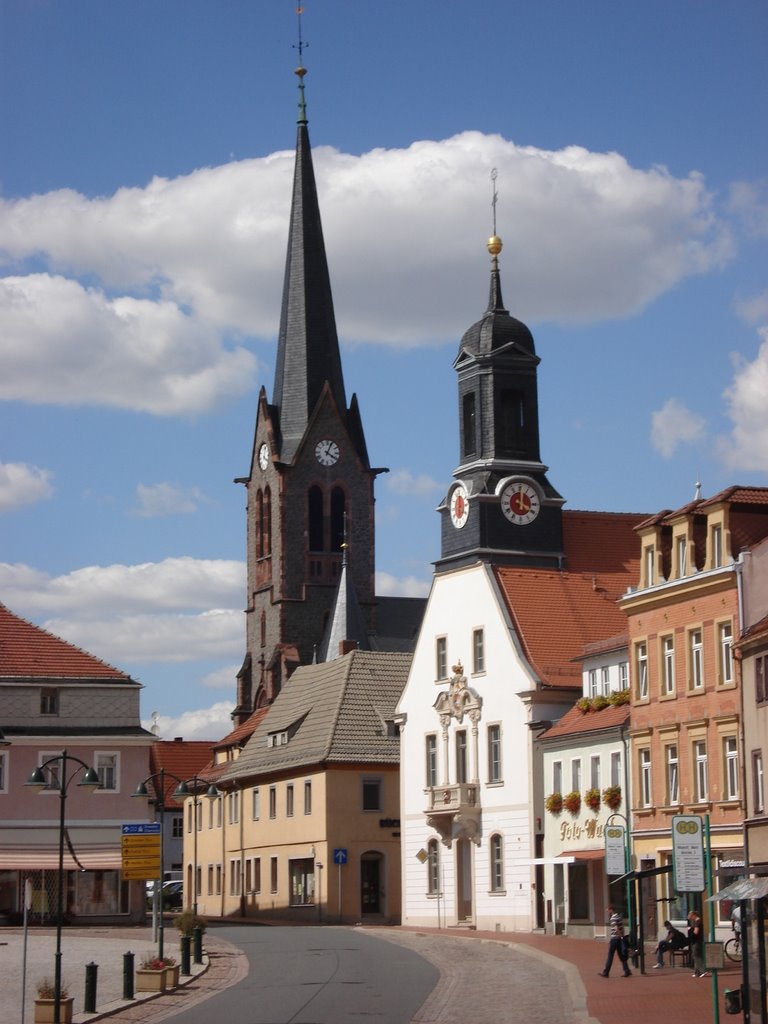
(464, 910)
(370, 883)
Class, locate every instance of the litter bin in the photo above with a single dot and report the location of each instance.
(732, 1000)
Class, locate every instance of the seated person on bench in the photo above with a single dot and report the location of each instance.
(674, 940)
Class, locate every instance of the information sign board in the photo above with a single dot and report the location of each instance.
(688, 853)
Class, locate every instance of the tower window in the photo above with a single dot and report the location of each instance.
(468, 425)
(315, 500)
(510, 420)
(338, 510)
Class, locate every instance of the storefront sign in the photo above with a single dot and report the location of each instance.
(591, 830)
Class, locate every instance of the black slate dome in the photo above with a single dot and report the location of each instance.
(497, 329)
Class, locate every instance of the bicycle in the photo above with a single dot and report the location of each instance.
(732, 948)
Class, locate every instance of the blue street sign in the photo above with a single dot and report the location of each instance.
(340, 856)
(151, 828)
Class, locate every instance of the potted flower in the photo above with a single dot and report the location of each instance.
(172, 968)
(554, 803)
(150, 975)
(45, 1003)
(612, 797)
(592, 799)
(572, 802)
(188, 920)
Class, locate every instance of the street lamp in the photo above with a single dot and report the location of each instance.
(181, 792)
(37, 780)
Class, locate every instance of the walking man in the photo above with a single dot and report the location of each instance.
(617, 944)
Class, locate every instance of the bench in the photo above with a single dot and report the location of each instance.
(680, 957)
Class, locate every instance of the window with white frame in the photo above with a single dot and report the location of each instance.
(731, 760)
(273, 874)
(646, 792)
(289, 800)
(605, 680)
(725, 638)
(441, 658)
(51, 772)
(696, 656)
(682, 556)
(308, 796)
(496, 847)
(594, 771)
(494, 753)
(668, 665)
(761, 679)
(210, 879)
(219, 801)
(433, 867)
(673, 774)
(593, 691)
(758, 782)
(177, 826)
(624, 675)
(615, 767)
(557, 776)
(461, 755)
(198, 814)
(257, 874)
(255, 803)
(430, 760)
(716, 540)
(218, 879)
(650, 574)
(478, 650)
(272, 802)
(233, 804)
(49, 701)
(106, 767)
(641, 666)
(234, 877)
(189, 817)
(701, 769)
(576, 774)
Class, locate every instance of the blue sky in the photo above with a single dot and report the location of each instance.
(145, 168)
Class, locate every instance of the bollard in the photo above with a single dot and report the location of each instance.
(197, 942)
(91, 979)
(185, 943)
(127, 975)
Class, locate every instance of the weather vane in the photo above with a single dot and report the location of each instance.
(494, 200)
(301, 70)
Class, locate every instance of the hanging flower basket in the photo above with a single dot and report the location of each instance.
(592, 799)
(572, 802)
(554, 803)
(612, 797)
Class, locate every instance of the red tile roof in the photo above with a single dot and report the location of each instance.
(576, 721)
(184, 759)
(242, 733)
(558, 612)
(29, 652)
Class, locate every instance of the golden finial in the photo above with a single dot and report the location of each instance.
(494, 242)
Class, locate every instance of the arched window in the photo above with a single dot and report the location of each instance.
(433, 868)
(266, 527)
(315, 513)
(338, 508)
(496, 848)
(259, 524)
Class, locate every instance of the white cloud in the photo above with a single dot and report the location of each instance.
(673, 425)
(180, 271)
(747, 398)
(402, 481)
(65, 344)
(748, 200)
(164, 499)
(201, 724)
(22, 484)
(406, 586)
(222, 678)
(755, 309)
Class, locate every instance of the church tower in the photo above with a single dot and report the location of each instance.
(501, 506)
(310, 485)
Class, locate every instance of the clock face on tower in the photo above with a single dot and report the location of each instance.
(327, 452)
(264, 456)
(459, 505)
(520, 503)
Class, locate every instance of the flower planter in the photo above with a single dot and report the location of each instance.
(172, 976)
(150, 981)
(45, 1010)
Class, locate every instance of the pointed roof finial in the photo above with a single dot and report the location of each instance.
(697, 495)
(494, 242)
(301, 70)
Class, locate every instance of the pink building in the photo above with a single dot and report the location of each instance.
(55, 697)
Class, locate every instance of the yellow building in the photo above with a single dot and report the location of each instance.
(307, 825)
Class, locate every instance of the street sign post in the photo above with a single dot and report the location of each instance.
(141, 851)
(688, 853)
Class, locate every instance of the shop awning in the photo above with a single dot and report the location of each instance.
(32, 858)
(743, 889)
(582, 855)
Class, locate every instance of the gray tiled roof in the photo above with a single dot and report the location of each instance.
(334, 712)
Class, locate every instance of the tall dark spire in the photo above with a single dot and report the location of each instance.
(308, 345)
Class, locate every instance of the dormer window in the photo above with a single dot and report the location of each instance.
(716, 543)
(278, 739)
(49, 701)
(650, 575)
(682, 556)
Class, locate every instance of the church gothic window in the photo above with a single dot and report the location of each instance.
(468, 426)
(315, 499)
(338, 511)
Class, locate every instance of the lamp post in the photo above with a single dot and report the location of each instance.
(181, 792)
(37, 780)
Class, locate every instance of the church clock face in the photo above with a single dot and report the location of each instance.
(327, 452)
(459, 505)
(520, 503)
(263, 456)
